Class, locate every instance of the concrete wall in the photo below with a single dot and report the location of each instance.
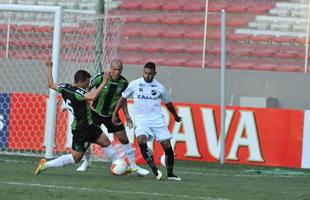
(203, 86)
(185, 84)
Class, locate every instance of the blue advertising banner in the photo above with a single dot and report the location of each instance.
(4, 118)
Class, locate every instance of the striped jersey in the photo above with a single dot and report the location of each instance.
(74, 101)
(107, 99)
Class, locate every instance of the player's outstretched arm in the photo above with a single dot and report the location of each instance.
(171, 108)
(118, 106)
(90, 96)
(50, 80)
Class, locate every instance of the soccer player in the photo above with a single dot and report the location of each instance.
(150, 123)
(104, 106)
(84, 130)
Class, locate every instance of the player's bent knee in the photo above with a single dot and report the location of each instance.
(142, 139)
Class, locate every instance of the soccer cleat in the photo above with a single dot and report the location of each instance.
(138, 170)
(84, 166)
(158, 177)
(40, 168)
(174, 178)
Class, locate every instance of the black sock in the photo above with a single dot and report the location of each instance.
(169, 160)
(147, 155)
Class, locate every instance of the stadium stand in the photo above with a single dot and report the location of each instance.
(256, 30)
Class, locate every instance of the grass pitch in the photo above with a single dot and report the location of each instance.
(205, 181)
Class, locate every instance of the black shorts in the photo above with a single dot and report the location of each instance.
(107, 122)
(83, 137)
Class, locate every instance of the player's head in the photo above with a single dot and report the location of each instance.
(116, 69)
(81, 79)
(149, 71)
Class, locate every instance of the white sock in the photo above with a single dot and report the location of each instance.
(110, 153)
(130, 154)
(87, 155)
(60, 162)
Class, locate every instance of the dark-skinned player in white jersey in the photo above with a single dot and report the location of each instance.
(150, 123)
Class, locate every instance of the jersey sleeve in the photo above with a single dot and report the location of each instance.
(61, 87)
(96, 80)
(125, 86)
(79, 94)
(128, 91)
(165, 96)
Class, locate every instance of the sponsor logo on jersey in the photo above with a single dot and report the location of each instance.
(153, 92)
(141, 96)
(140, 89)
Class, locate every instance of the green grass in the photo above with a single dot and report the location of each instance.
(200, 181)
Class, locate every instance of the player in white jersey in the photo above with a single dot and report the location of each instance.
(150, 123)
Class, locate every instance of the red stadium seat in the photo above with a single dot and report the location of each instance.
(174, 48)
(129, 46)
(287, 40)
(172, 6)
(133, 18)
(194, 20)
(265, 66)
(242, 64)
(290, 67)
(152, 47)
(216, 6)
(217, 64)
(3, 27)
(87, 30)
(132, 5)
(214, 20)
(213, 35)
(173, 33)
(195, 63)
(264, 52)
(302, 41)
(151, 19)
(151, 32)
(172, 19)
(132, 60)
(244, 38)
(194, 34)
(237, 22)
(262, 39)
(286, 54)
(214, 49)
(195, 48)
(131, 31)
(236, 8)
(194, 7)
(152, 6)
(237, 50)
(44, 29)
(69, 30)
(259, 8)
(25, 28)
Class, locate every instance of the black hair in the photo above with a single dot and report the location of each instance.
(150, 65)
(81, 75)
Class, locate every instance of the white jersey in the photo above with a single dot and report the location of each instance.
(147, 98)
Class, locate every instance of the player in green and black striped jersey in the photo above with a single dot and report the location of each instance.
(84, 130)
(104, 106)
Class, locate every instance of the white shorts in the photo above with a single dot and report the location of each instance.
(159, 133)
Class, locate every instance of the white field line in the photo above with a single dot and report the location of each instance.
(57, 187)
(183, 170)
